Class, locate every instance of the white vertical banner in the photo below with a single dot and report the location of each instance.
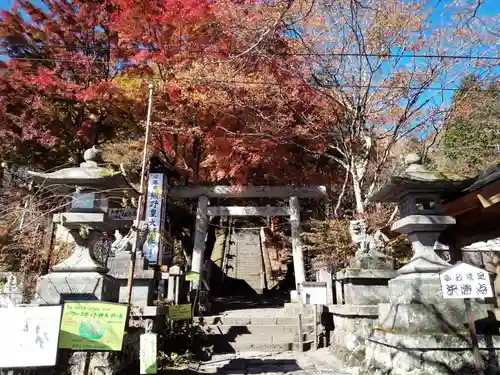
(154, 207)
(148, 354)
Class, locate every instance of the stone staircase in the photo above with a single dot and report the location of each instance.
(244, 259)
(267, 329)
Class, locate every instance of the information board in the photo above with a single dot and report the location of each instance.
(314, 293)
(465, 281)
(179, 312)
(29, 336)
(92, 326)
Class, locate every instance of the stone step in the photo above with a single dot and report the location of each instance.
(258, 330)
(254, 320)
(279, 338)
(221, 346)
(295, 308)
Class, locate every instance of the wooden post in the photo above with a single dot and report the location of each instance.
(298, 256)
(478, 361)
(299, 326)
(315, 327)
(48, 244)
(199, 239)
(171, 288)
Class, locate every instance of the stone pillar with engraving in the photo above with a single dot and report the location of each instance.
(92, 191)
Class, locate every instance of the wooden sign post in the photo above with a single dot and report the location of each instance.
(467, 282)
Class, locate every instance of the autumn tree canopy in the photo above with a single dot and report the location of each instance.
(295, 91)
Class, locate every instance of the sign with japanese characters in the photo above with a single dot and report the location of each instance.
(179, 312)
(125, 214)
(152, 245)
(92, 326)
(29, 336)
(465, 281)
(148, 353)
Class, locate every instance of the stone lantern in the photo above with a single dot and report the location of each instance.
(418, 193)
(94, 192)
(415, 297)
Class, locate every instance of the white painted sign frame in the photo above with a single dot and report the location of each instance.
(464, 280)
(314, 293)
(30, 336)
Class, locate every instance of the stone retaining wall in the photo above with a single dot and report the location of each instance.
(395, 354)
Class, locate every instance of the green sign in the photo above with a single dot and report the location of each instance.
(92, 326)
(148, 353)
(179, 312)
(192, 276)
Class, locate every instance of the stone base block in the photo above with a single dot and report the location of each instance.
(416, 288)
(372, 262)
(352, 324)
(424, 354)
(446, 317)
(56, 287)
(365, 287)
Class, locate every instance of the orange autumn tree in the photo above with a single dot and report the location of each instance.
(58, 95)
(224, 102)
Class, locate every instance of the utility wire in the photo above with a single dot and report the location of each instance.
(214, 82)
(338, 54)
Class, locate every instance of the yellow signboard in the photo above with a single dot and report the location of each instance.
(179, 312)
(192, 276)
(148, 353)
(92, 326)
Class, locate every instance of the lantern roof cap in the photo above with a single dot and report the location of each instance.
(418, 179)
(93, 173)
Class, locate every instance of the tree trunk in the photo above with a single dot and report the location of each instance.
(356, 185)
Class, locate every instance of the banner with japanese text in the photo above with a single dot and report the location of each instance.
(154, 215)
(92, 326)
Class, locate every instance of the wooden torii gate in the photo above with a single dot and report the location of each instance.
(204, 210)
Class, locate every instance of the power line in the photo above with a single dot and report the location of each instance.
(214, 82)
(236, 82)
(274, 53)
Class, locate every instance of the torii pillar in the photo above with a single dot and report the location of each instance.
(199, 239)
(297, 253)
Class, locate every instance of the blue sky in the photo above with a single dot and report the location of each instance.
(5, 3)
(489, 8)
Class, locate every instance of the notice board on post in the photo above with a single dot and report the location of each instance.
(313, 293)
(92, 325)
(463, 280)
(29, 336)
(179, 312)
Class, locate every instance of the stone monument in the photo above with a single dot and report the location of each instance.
(119, 262)
(359, 288)
(95, 189)
(417, 330)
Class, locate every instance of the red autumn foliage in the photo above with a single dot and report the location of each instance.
(225, 108)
